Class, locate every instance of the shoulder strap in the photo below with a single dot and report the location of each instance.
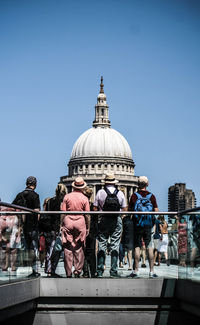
(107, 190)
(116, 191)
(149, 196)
(139, 196)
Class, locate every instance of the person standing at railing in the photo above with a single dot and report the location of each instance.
(143, 200)
(156, 238)
(109, 199)
(50, 225)
(30, 199)
(163, 241)
(10, 240)
(194, 234)
(182, 240)
(75, 228)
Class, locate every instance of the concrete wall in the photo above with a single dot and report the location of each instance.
(100, 302)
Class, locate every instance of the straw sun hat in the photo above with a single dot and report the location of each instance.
(110, 179)
(79, 183)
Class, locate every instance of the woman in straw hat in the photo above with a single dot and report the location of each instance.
(75, 228)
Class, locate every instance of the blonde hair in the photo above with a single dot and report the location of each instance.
(88, 191)
(122, 189)
(61, 190)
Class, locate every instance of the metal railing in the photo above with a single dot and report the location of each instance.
(174, 235)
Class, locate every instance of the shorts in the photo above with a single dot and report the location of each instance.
(155, 243)
(163, 244)
(145, 234)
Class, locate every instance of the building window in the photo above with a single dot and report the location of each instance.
(105, 165)
(99, 166)
(112, 166)
(92, 165)
(81, 166)
(117, 166)
(86, 166)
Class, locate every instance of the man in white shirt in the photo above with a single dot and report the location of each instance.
(109, 199)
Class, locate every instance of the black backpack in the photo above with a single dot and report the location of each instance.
(111, 202)
(21, 199)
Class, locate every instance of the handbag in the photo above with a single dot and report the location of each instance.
(58, 244)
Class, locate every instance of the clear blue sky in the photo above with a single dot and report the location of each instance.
(52, 54)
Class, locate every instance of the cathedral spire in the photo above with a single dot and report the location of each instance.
(101, 109)
(101, 86)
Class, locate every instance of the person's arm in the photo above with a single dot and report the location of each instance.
(155, 207)
(161, 231)
(154, 203)
(63, 207)
(131, 205)
(38, 213)
(124, 215)
(87, 218)
(37, 205)
(123, 204)
(87, 222)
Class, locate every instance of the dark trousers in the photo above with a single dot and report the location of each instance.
(31, 246)
(52, 256)
(89, 267)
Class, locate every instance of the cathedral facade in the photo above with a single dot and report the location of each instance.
(101, 150)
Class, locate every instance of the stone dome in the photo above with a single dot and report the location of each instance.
(101, 150)
(101, 142)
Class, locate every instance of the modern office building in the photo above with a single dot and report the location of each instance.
(101, 150)
(180, 198)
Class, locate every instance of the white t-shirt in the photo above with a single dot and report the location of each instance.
(101, 197)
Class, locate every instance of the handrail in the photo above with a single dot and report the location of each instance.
(189, 210)
(14, 206)
(90, 212)
(28, 211)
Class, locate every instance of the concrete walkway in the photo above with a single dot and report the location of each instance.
(163, 271)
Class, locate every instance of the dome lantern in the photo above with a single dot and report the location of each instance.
(101, 109)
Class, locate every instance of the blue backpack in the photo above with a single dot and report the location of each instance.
(144, 204)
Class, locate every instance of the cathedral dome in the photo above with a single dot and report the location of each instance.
(101, 150)
(101, 142)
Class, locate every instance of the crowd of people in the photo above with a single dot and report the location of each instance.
(85, 239)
